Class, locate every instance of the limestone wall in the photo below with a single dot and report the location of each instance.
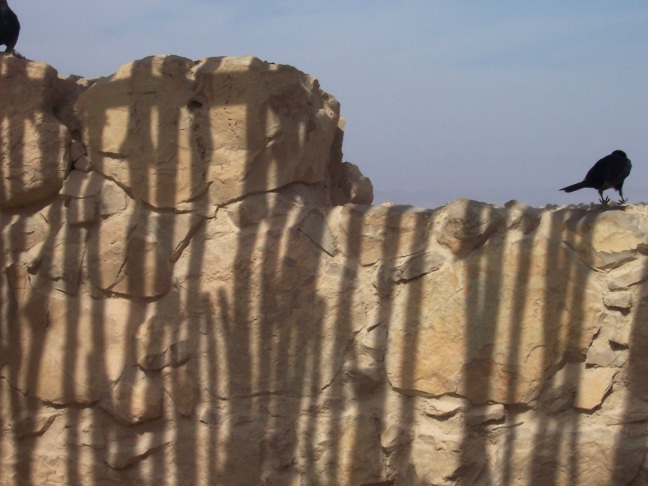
(195, 290)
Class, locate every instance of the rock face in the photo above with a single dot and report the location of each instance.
(195, 290)
(171, 129)
(37, 146)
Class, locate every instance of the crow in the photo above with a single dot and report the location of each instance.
(9, 27)
(607, 173)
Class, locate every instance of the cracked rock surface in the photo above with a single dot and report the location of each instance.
(197, 296)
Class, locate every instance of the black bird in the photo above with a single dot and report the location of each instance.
(9, 27)
(607, 173)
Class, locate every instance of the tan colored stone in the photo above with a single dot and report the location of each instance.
(476, 334)
(34, 424)
(578, 385)
(130, 451)
(280, 447)
(349, 185)
(487, 413)
(113, 200)
(314, 226)
(146, 271)
(560, 389)
(77, 150)
(85, 428)
(33, 141)
(180, 384)
(289, 322)
(522, 217)
(626, 411)
(41, 362)
(80, 184)
(365, 373)
(621, 337)
(375, 340)
(62, 264)
(468, 225)
(81, 211)
(565, 453)
(161, 341)
(444, 407)
(628, 275)
(288, 140)
(83, 164)
(20, 232)
(608, 239)
(594, 385)
(165, 151)
(601, 353)
(24, 308)
(132, 253)
(370, 234)
(417, 266)
(618, 300)
(259, 208)
(239, 336)
(392, 436)
(434, 457)
(344, 276)
(135, 398)
(354, 459)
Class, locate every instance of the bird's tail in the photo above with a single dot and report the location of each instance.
(574, 187)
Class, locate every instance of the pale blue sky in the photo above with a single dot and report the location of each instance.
(443, 99)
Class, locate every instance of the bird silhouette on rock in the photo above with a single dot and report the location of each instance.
(9, 27)
(608, 173)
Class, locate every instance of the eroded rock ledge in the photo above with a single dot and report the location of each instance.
(195, 289)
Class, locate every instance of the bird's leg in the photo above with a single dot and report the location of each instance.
(623, 199)
(604, 200)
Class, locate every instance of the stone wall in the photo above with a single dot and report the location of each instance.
(196, 290)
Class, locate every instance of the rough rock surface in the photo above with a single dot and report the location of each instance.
(38, 146)
(171, 129)
(195, 290)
